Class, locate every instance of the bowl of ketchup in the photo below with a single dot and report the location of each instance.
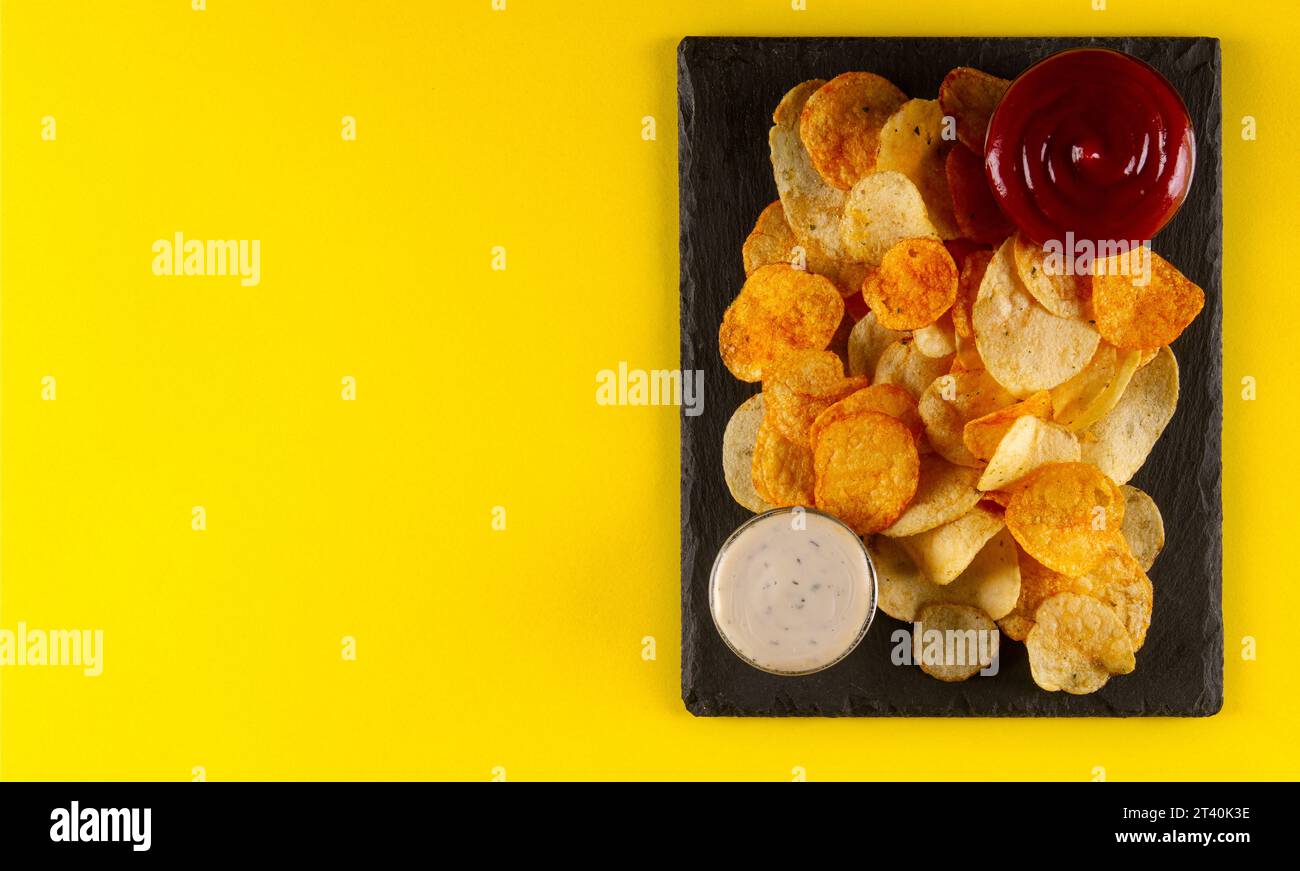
(1090, 142)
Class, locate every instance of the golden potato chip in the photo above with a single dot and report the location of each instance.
(1119, 582)
(950, 402)
(1133, 314)
(885, 398)
(973, 267)
(1124, 437)
(944, 552)
(1000, 498)
(867, 342)
(1067, 516)
(738, 441)
(1089, 396)
(902, 364)
(883, 209)
(912, 143)
(1076, 644)
(770, 241)
(983, 434)
(812, 207)
(783, 470)
(1062, 294)
(866, 469)
(991, 582)
(970, 96)
(1143, 529)
(1025, 347)
(800, 386)
(779, 310)
(1038, 583)
(977, 213)
(1030, 443)
(846, 275)
(1148, 355)
(937, 339)
(944, 493)
(916, 282)
(953, 642)
(840, 125)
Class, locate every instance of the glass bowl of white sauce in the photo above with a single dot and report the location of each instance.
(792, 591)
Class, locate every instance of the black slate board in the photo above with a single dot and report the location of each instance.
(727, 88)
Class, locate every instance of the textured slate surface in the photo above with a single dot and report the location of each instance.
(727, 88)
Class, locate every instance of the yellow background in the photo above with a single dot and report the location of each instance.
(476, 649)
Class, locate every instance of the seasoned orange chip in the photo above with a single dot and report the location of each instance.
(1038, 583)
(970, 96)
(977, 213)
(983, 434)
(915, 284)
(1132, 315)
(887, 399)
(968, 287)
(780, 309)
(1067, 516)
(866, 470)
(770, 241)
(840, 125)
(783, 470)
(800, 386)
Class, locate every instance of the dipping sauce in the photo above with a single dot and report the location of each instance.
(792, 591)
(1092, 142)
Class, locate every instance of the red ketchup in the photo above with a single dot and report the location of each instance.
(1091, 142)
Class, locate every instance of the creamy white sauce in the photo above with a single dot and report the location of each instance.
(790, 599)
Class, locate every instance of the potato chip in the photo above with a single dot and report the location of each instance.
(937, 339)
(1120, 583)
(970, 96)
(902, 364)
(944, 493)
(912, 143)
(738, 441)
(1143, 529)
(867, 342)
(1076, 644)
(846, 275)
(977, 213)
(1000, 498)
(1047, 280)
(866, 469)
(883, 209)
(953, 642)
(944, 552)
(779, 310)
(1067, 516)
(812, 207)
(770, 241)
(1148, 355)
(841, 122)
(1125, 436)
(1089, 396)
(1025, 347)
(973, 267)
(983, 434)
(783, 470)
(1029, 444)
(887, 399)
(916, 282)
(950, 402)
(1038, 583)
(1133, 314)
(800, 386)
(991, 582)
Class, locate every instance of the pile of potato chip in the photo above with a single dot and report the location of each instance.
(925, 379)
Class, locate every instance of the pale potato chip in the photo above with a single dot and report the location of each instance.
(812, 207)
(883, 209)
(950, 402)
(937, 339)
(970, 96)
(1029, 444)
(738, 441)
(1025, 347)
(991, 582)
(1126, 436)
(944, 552)
(770, 241)
(953, 642)
(1076, 644)
(846, 275)
(1120, 583)
(866, 469)
(1089, 396)
(902, 364)
(783, 470)
(840, 125)
(1144, 528)
(1050, 282)
(912, 143)
(1038, 583)
(915, 284)
(867, 342)
(944, 493)
(1146, 308)
(983, 434)
(780, 309)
